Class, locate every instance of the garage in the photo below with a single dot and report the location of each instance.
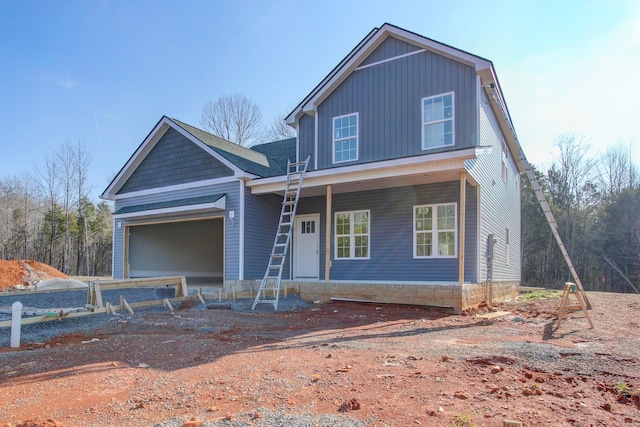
(193, 248)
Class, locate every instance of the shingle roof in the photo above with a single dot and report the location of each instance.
(170, 204)
(269, 159)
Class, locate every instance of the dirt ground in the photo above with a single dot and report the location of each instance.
(25, 272)
(383, 364)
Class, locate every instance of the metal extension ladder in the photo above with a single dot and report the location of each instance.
(273, 273)
(543, 202)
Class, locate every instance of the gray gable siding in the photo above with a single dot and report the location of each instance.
(306, 138)
(388, 97)
(174, 160)
(232, 230)
(500, 202)
(390, 48)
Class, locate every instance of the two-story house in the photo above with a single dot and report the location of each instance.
(412, 168)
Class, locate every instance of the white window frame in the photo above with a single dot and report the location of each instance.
(434, 231)
(352, 235)
(452, 120)
(505, 162)
(507, 248)
(336, 140)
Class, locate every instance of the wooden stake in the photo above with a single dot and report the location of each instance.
(125, 304)
(167, 304)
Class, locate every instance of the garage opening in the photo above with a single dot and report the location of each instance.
(194, 249)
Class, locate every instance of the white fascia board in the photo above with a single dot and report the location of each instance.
(147, 145)
(439, 162)
(218, 205)
(134, 161)
(177, 187)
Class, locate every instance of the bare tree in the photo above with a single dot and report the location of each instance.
(280, 129)
(235, 118)
(619, 170)
(81, 163)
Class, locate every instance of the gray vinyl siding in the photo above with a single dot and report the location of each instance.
(391, 234)
(174, 160)
(390, 48)
(388, 99)
(261, 221)
(232, 229)
(306, 136)
(500, 202)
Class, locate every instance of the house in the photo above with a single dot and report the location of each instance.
(414, 167)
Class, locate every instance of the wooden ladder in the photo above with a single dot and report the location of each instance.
(571, 289)
(273, 274)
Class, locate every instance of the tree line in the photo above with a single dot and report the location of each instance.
(595, 198)
(47, 216)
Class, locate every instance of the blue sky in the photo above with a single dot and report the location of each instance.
(104, 72)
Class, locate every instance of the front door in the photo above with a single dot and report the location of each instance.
(306, 246)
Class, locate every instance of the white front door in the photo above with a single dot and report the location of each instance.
(306, 246)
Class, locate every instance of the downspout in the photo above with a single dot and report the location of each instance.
(241, 232)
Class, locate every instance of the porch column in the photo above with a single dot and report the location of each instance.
(327, 237)
(463, 209)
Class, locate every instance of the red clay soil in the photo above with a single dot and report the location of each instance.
(19, 272)
(386, 365)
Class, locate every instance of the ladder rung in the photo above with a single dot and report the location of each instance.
(297, 163)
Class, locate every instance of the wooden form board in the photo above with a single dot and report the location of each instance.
(94, 295)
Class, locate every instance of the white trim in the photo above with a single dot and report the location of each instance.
(177, 187)
(147, 145)
(434, 231)
(478, 236)
(426, 163)
(217, 205)
(435, 122)
(362, 67)
(113, 248)
(333, 138)
(293, 270)
(352, 235)
(241, 233)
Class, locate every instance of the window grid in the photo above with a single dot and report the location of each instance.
(435, 233)
(438, 114)
(345, 138)
(352, 235)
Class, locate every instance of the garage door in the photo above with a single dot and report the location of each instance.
(194, 249)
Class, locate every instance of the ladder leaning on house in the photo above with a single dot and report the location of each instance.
(273, 274)
(537, 189)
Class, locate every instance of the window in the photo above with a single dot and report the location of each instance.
(437, 121)
(345, 138)
(505, 167)
(506, 249)
(352, 235)
(435, 230)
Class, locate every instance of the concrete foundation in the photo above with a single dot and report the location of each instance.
(451, 296)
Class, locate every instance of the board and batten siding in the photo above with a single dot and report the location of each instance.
(391, 234)
(390, 48)
(388, 99)
(232, 229)
(499, 201)
(306, 139)
(174, 160)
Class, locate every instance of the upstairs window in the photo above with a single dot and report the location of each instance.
(505, 160)
(345, 138)
(437, 121)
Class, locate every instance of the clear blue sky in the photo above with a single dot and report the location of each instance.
(104, 72)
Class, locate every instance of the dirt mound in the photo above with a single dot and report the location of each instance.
(26, 272)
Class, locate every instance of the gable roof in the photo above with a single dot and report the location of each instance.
(265, 160)
(484, 69)
(366, 47)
